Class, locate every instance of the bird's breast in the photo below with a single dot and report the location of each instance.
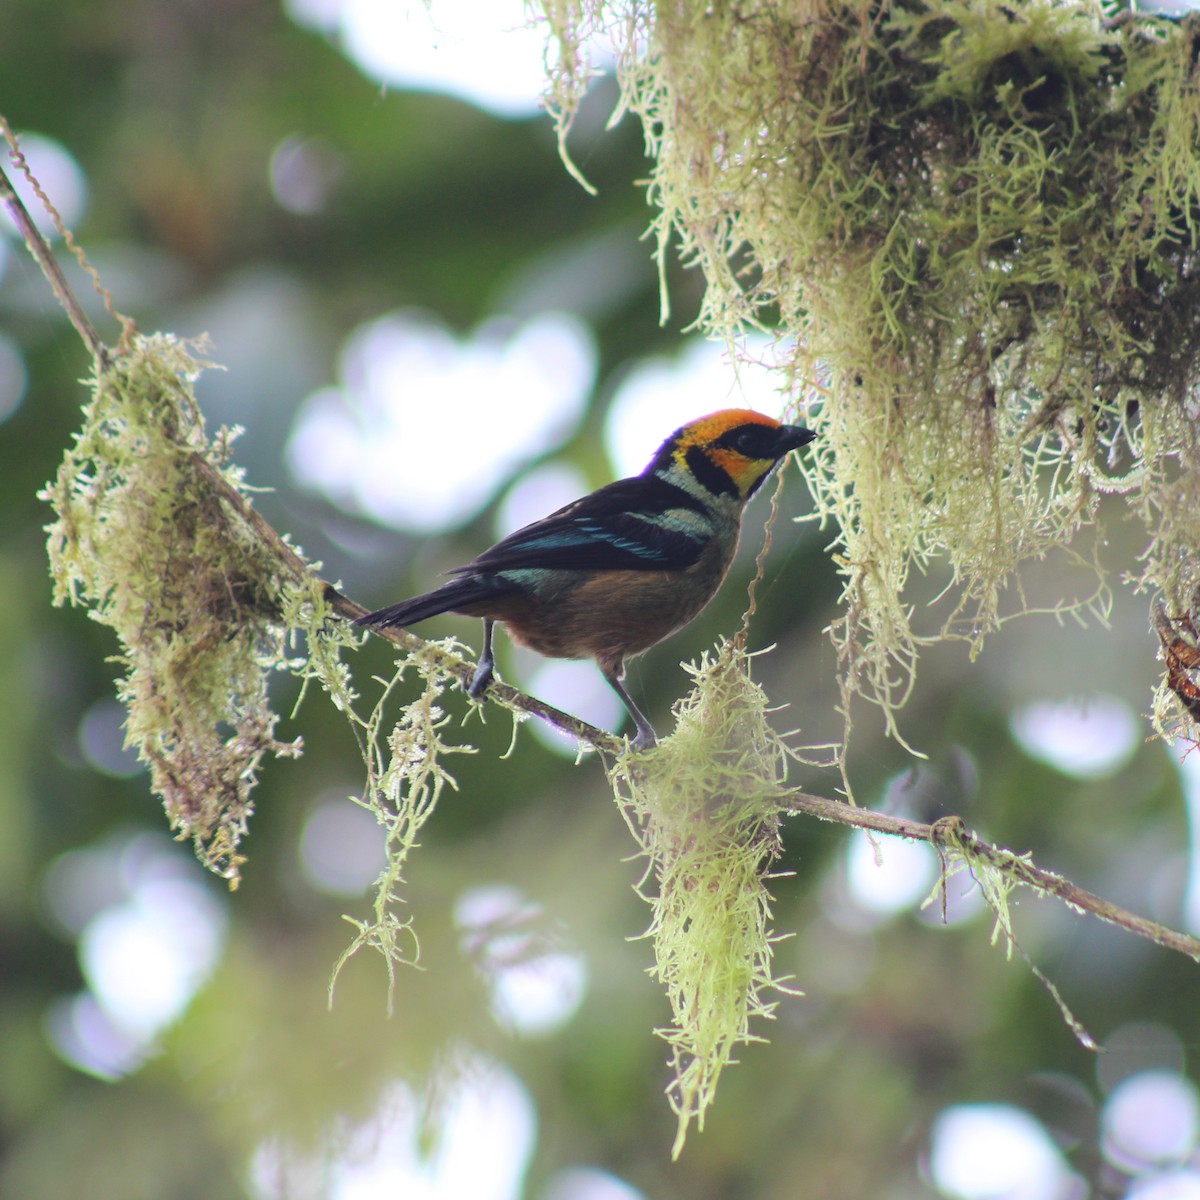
(612, 615)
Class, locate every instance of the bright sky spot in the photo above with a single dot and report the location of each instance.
(302, 173)
(1170, 1185)
(900, 878)
(540, 996)
(146, 958)
(536, 987)
(425, 427)
(1086, 738)
(996, 1152)
(483, 51)
(150, 930)
(102, 740)
(588, 1183)
(661, 394)
(575, 687)
(342, 848)
(492, 905)
(1151, 1119)
(80, 883)
(1167, 8)
(476, 1142)
(13, 376)
(60, 177)
(537, 494)
(322, 15)
(85, 1036)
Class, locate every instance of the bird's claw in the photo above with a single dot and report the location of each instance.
(480, 680)
(646, 739)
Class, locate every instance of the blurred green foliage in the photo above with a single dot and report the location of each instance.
(173, 111)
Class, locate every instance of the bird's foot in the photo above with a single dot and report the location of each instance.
(646, 738)
(482, 677)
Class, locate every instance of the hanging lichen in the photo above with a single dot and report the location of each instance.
(704, 810)
(973, 226)
(146, 540)
(404, 781)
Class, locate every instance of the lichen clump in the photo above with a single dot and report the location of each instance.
(972, 225)
(704, 810)
(145, 539)
(406, 776)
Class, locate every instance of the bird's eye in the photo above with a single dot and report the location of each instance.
(746, 442)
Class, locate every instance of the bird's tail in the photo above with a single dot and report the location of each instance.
(457, 596)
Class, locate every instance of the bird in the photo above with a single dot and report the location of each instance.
(615, 572)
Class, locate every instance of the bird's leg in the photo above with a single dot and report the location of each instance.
(486, 667)
(646, 737)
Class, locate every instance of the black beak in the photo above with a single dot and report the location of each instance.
(791, 437)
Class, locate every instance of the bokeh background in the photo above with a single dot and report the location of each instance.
(431, 335)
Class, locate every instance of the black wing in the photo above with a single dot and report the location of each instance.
(638, 524)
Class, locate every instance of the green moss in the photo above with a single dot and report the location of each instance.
(998, 873)
(972, 225)
(405, 779)
(703, 808)
(145, 538)
(154, 535)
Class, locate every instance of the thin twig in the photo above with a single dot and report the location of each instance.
(453, 664)
(949, 832)
(44, 256)
(760, 563)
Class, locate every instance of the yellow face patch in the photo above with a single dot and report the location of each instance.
(742, 470)
(745, 472)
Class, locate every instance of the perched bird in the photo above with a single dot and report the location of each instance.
(612, 574)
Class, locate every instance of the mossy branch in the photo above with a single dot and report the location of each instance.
(157, 534)
(941, 833)
(950, 833)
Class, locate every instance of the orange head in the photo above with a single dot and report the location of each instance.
(728, 453)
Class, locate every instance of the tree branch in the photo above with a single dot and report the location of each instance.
(951, 833)
(44, 257)
(948, 833)
(452, 664)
